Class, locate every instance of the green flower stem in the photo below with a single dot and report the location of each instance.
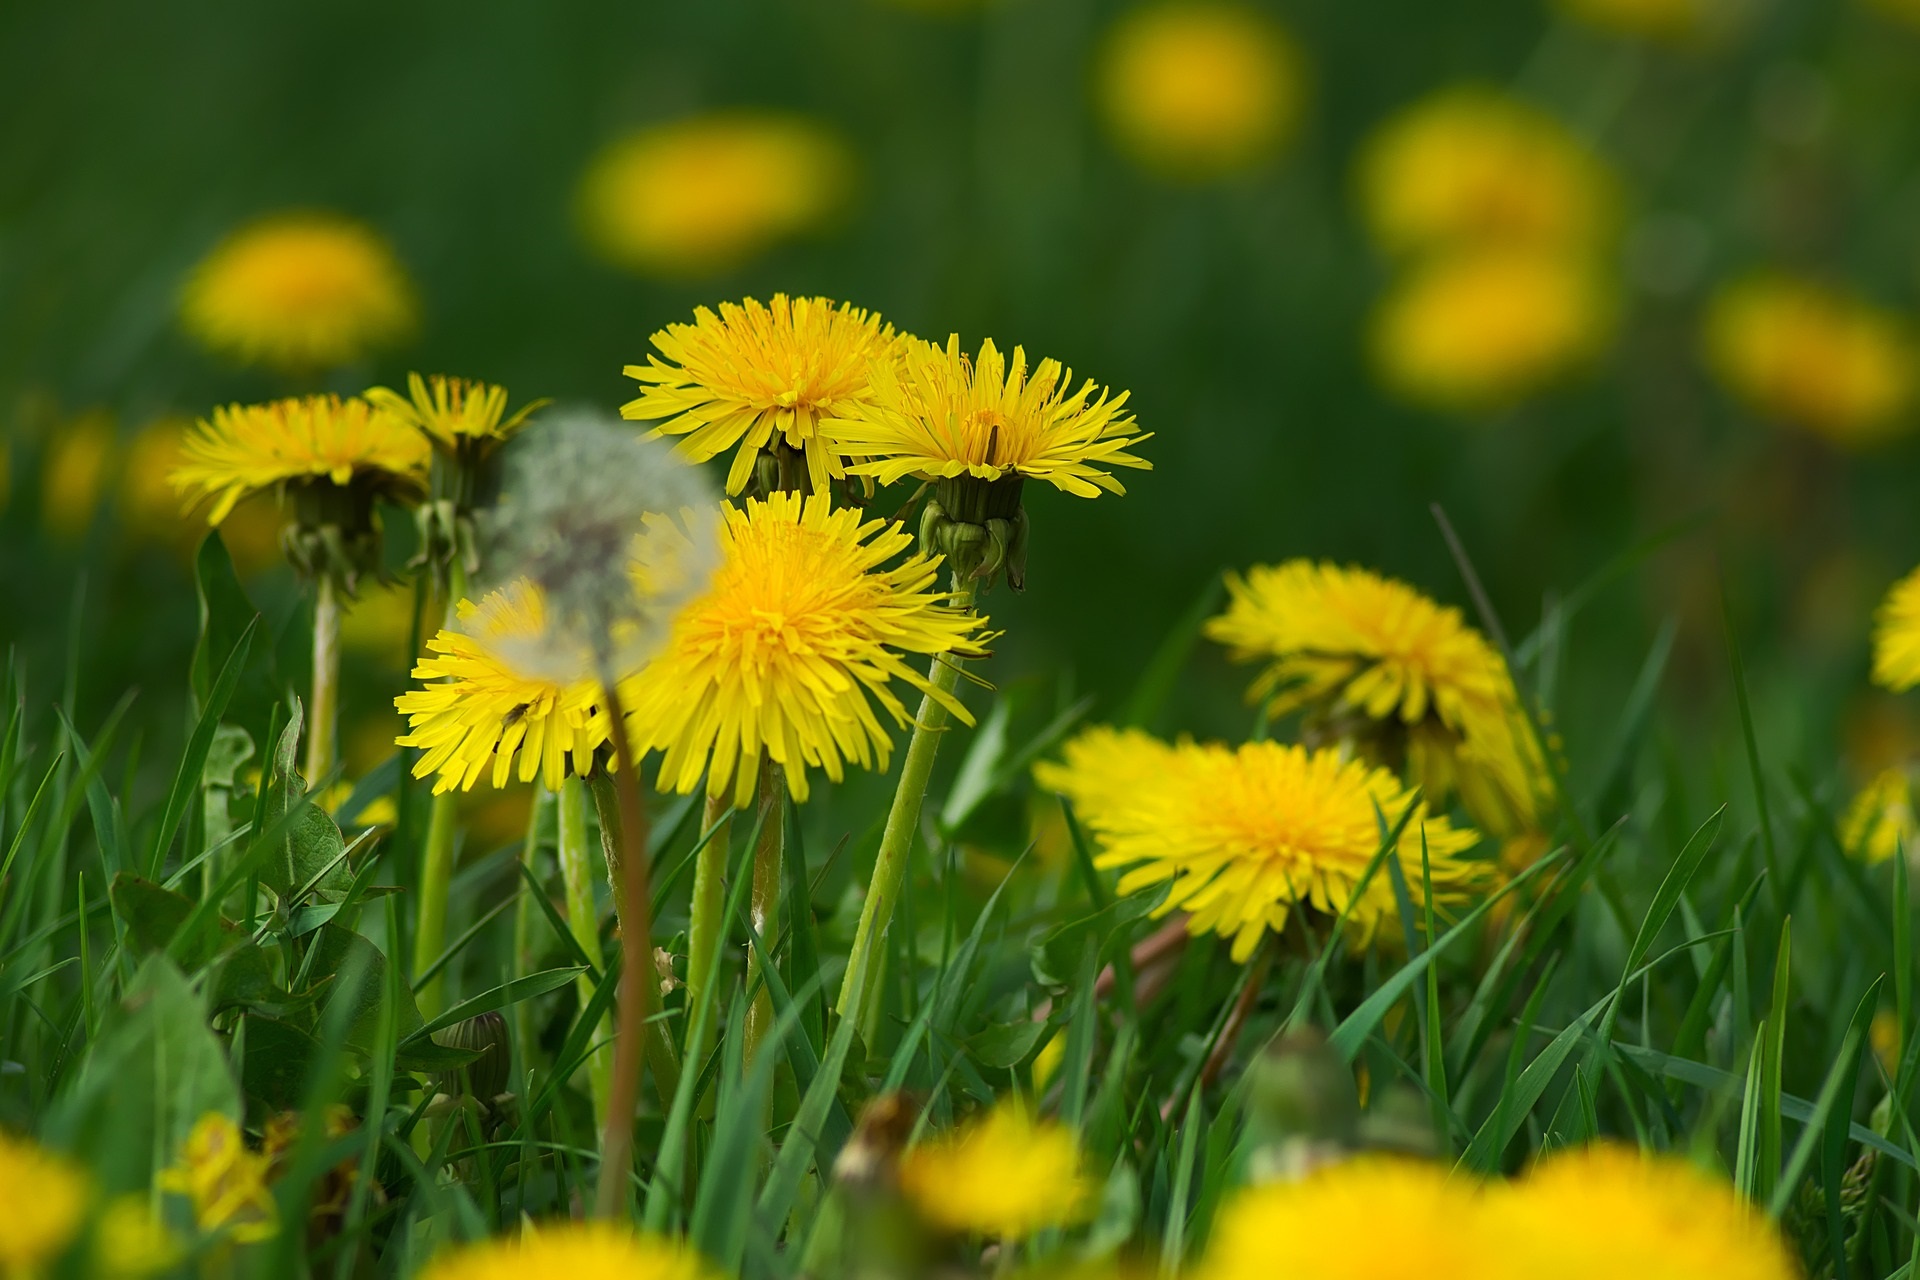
(583, 922)
(323, 715)
(860, 988)
(763, 902)
(436, 861)
(707, 927)
(524, 913)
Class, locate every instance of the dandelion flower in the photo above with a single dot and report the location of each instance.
(1195, 90)
(760, 377)
(74, 474)
(1006, 1175)
(698, 197)
(1241, 836)
(1369, 1218)
(1606, 1211)
(1880, 821)
(46, 1199)
(798, 636)
(1371, 659)
(299, 291)
(476, 716)
(1815, 357)
(1479, 331)
(576, 1250)
(1471, 166)
(1896, 636)
(225, 1181)
(453, 412)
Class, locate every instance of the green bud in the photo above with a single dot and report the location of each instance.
(486, 1077)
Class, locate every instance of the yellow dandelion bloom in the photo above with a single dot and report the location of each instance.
(1369, 1218)
(1896, 636)
(478, 714)
(299, 291)
(1195, 90)
(247, 449)
(799, 634)
(453, 411)
(1674, 21)
(1471, 166)
(130, 1243)
(759, 375)
(1241, 836)
(1607, 1211)
(701, 196)
(1006, 1174)
(575, 1250)
(1478, 331)
(1404, 676)
(1815, 357)
(1880, 821)
(74, 474)
(225, 1181)
(46, 1199)
(938, 414)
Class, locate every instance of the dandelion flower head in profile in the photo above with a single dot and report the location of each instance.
(757, 376)
(1478, 331)
(701, 196)
(475, 716)
(1369, 658)
(1241, 836)
(1609, 1210)
(1681, 22)
(1814, 356)
(225, 1181)
(46, 1199)
(1198, 90)
(1896, 636)
(616, 534)
(1471, 166)
(574, 1250)
(1005, 1174)
(1880, 821)
(799, 634)
(299, 292)
(453, 412)
(1368, 1218)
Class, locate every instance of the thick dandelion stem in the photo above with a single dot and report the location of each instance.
(860, 988)
(524, 913)
(583, 922)
(436, 870)
(628, 870)
(323, 715)
(707, 926)
(763, 908)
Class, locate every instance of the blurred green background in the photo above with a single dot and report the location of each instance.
(990, 201)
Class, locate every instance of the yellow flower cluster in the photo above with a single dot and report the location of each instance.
(1005, 1175)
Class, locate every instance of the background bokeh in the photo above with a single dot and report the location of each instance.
(986, 197)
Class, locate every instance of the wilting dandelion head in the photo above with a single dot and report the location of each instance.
(759, 375)
(698, 197)
(1006, 1174)
(299, 292)
(616, 533)
(1610, 1210)
(1195, 90)
(1471, 166)
(1896, 636)
(575, 1250)
(1814, 356)
(1243, 836)
(1879, 822)
(225, 1181)
(46, 1198)
(1368, 1218)
(1478, 331)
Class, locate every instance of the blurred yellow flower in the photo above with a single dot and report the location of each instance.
(1813, 356)
(1896, 636)
(299, 292)
(74, 475)
(130, 1243)
(1883, 1034)
(380, 624)
(1477, 331)
(1004, 1174)
(1608, 1211)
(1676, 21)
(1369, 1218)
(1471, 166)
(1195, 89)
(46, 1200)
(451, 411)
(149, 504)
(798, 635)
(1376, 663)
(1243, 836)
(225, 1181)
(760, 377)
(571, 1251)
(1880, 821)
(247, 449)
(476, 712)
(700, 196)
(936, 413)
